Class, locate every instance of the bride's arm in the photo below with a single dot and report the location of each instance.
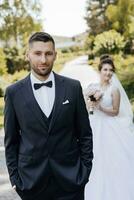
(115, 104)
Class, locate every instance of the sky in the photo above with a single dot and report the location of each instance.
(64, 17)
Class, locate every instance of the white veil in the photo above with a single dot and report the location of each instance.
(125, 112)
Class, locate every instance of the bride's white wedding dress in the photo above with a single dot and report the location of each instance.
(112, 175)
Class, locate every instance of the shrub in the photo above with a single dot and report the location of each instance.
(89, 42)
(108, 42)
(19, 75)
(128, 84)
(1, 92)
(3, 68)
(74, 48)
(65, 50)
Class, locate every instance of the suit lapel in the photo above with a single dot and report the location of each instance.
(59, 98)
(31, 101)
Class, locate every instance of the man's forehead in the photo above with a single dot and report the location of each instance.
(39, 45)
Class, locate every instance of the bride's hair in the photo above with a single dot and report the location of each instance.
(106, 59)
(104, 56)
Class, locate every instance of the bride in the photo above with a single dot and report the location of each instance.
(112, 175)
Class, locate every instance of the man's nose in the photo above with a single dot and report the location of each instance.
(43, 58)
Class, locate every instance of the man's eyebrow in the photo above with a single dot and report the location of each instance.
(37, 51)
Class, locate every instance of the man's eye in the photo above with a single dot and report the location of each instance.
(49, 53)
(38, 53)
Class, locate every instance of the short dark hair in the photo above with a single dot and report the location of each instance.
(106, 60)
(41, 36)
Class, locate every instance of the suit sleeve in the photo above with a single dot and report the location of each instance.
(11, 139)
(84, 131)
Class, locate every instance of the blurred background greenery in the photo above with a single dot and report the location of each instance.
(110, 30)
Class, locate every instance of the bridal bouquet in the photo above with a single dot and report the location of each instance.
(93, 96)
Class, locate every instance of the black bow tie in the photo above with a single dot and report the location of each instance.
(39, 85)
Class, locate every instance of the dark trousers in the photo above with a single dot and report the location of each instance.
(55, 192)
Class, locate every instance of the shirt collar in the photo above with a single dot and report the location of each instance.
(36, 80)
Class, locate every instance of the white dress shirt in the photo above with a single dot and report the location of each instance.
(44, 96)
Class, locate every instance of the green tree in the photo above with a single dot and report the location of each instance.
(95, 16)
(15, 59)
(3, 68)
(18, 19)
(121, 17)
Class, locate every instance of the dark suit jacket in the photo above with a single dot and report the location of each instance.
(35, 151)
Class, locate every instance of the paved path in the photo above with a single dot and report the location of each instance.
(80, 70)
(77, 69)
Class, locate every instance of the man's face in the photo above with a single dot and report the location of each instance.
(41, 56)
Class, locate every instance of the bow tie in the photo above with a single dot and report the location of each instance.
(39, 85)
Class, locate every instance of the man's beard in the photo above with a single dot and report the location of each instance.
(43, 73)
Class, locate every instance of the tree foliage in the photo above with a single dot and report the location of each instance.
(108, 42)
(121, 17)
(95, 16)
(3, 69)
(104, 15)
(18, 20)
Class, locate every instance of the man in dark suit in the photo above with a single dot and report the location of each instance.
(48, 139)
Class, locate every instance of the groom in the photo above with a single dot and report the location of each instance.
(48, 139)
